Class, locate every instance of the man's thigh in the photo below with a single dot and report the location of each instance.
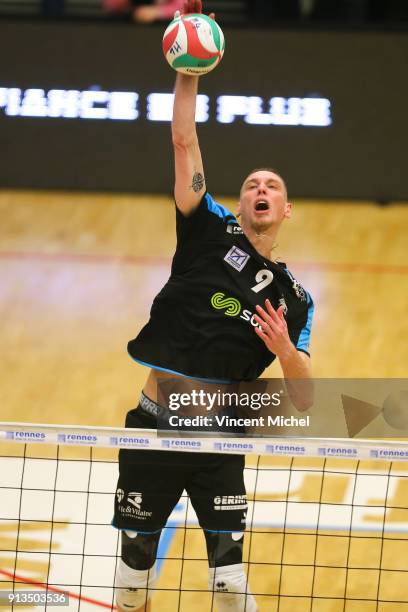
(217, 492)
(149, 486)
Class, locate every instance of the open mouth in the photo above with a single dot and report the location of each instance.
(261, 206)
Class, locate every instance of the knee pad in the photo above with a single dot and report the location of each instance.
(230, 587)
(139, 550)
(224, 548)
(132, 586)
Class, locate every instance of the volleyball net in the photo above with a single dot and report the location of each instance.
(327, 522)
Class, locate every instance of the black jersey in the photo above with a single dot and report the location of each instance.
(202, 321)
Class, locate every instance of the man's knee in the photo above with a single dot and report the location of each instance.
(224, 548)
(136, 572)
(226, 573)
(139, 550)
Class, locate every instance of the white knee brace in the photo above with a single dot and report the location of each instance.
(132, 587)
(230, 587)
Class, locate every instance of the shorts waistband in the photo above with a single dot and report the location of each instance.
(150, 407)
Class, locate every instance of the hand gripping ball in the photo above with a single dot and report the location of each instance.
(193, 44)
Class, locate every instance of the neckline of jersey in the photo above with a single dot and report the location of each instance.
(265, 260)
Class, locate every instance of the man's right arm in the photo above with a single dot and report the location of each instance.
(190, 183)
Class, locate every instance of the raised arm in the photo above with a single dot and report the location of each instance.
(190, 183)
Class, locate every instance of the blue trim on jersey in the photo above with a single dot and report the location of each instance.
(304, 336)
(217, 209)
(155, 367)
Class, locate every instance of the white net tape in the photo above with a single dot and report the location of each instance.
(109, 437)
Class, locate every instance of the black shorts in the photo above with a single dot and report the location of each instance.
(151, 483)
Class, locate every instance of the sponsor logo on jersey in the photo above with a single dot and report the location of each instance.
(285, 306)
(236, 258)
(232, 308)
(120, 494)
(231, 305)
(297, 287)
(234, 229)
(300, 292)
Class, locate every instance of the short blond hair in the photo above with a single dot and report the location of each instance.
(265, 169)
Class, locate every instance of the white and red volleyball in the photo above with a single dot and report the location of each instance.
(193, 44)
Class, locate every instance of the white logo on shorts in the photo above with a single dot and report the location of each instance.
(230, 502)
(135, 499)
(131, 507)
(236, 258)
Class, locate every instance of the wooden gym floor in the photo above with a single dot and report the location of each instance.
(79, 272)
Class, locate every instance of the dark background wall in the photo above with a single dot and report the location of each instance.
(361, 155)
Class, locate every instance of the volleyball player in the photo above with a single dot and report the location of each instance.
(191, 334)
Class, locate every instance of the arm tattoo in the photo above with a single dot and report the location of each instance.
(198, 182)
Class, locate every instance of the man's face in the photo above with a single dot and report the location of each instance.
(263, 202)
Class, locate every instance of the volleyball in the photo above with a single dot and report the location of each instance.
(193, 44)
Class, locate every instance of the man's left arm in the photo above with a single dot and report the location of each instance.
(296, 365)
